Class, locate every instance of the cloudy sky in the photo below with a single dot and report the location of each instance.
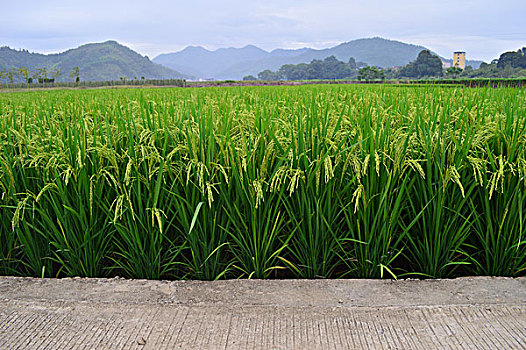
(483, 28)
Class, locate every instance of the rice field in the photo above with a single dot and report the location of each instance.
(318, 181)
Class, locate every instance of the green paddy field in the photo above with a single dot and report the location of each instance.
(313, 181)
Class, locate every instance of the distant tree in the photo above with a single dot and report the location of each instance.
(2, 76)
(74, 74)
(55, 73)
(35, 76)
(484, 65)
(426, 64)
(25, 73)
(370, 73)
(486, 70)
(409, 71)
(249, 77)
(467, 72)
(453, 71)
(268, 75)
(42, 76)
(294, 71)
(360, 64)
(352, 63)
(332, 68)
(391, 73)
(513, 59)
(506, 72)
(315, 70)
(11, 74)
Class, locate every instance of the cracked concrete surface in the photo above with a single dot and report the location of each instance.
(465, 313)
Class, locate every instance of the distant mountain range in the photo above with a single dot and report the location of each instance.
(99, 61)
(235, 63)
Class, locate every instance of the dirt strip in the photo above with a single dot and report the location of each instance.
(465, 313)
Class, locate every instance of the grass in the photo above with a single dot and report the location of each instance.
(317, 181)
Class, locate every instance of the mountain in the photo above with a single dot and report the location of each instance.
(235, 63)
(98, 61)
(200, 62)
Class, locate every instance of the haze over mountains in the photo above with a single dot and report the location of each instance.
(111, 61)
(235, 63)
(97, 62)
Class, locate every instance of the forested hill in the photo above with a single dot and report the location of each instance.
(98, 61)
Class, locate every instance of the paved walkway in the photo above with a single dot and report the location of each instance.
(467, 313)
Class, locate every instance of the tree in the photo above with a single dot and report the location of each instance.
(361, 64)
(426, 64)
(25, 73)
(268, 75)
(352, 63)
(453, 71)
(249, 77)
(467, 71)
(315, 70)
(55, 74)
(370, 73)
(332, 68)
(484, 65)
(513, 59)
(74, 74)
(35, 76)
(2, 76)
(11, 74)
(294, 71)
(42, 75)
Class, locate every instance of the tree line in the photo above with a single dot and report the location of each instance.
(427, 65)
(328, 68)
(41, 76)
(22, 78)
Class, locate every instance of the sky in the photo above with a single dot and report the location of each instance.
(482, 28)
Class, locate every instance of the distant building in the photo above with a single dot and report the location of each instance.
(459, 59)
(446, 64)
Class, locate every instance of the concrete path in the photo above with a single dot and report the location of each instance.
(467, 313)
